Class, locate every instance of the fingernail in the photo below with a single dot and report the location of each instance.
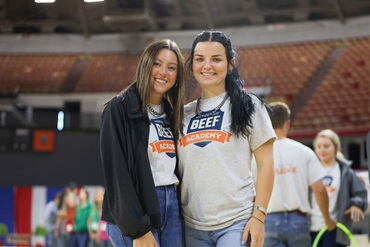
(242, 243)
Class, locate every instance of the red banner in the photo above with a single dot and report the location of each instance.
(43, 140)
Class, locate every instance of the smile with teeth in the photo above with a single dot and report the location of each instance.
(208, 73)
(161, 81)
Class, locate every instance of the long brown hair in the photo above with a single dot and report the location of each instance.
(176, 95)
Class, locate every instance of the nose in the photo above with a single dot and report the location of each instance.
(162, 70)
(207, 64)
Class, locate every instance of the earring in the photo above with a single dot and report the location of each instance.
(229, 72)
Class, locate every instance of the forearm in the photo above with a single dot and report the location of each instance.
(265, 174)
(264, 185)
(255, 227)
(322, 200)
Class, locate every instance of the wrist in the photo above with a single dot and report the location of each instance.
(258, 219)
(259, 208)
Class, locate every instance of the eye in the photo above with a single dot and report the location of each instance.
(199, 59)
(217, 59)
(172, 68)
(156, 64)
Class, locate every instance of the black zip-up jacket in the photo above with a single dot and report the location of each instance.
(130, 200)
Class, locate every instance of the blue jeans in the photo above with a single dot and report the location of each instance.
(79, 239)
(327, 239)
(170, 233)
(287, 230)
(226, 237)
(51, 241)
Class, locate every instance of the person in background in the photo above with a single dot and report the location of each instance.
(71, 187)
(51, 213)
(297, 169)
(347, 194)
(65, 218)
(80, 236)
(223, 128)
(104, 239)
(137, 141)
(95, 225)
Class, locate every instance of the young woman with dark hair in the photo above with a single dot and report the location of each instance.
(223, 129)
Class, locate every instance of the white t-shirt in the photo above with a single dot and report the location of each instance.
(217, 189)
(331, 181)
(161, 150)
(296, 168)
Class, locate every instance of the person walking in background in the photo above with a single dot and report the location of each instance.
(296, 170)
(93, 221)
(223, 128)
(65, 218)
(80, 236)
(51, 213)
(347, 194)
(137, 141)
(96, 226)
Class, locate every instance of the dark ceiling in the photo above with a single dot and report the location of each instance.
(120, 16)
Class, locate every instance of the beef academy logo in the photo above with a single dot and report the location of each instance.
(165, 143)
(328, 181)
(204, 130)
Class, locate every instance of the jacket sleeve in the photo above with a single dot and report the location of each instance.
(358, 192)
(123, 202)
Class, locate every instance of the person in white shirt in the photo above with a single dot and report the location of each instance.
(347, 194)
(297, 169)
(138, 134)
(51, 213)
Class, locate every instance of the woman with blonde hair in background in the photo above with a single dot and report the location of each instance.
(347, 194)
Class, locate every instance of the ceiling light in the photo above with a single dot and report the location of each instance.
(44, 1)
(92, 1)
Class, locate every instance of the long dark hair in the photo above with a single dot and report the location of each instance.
(242, 107)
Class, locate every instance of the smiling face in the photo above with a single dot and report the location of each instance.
(325, 150)
(210, 67)
(163, 75)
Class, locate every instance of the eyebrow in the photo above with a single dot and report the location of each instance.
(216, 55)
(162, 61)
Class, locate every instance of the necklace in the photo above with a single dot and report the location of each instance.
(211, 112)
(155, 113)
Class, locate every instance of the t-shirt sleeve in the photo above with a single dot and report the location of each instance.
(315, 170)
(262, 130)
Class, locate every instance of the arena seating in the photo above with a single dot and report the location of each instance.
(285, 67)
(34, 73)
(107, 72)
(341, 101)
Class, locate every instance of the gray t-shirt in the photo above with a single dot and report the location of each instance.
(217, 188)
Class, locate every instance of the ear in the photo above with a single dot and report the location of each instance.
(232, 64)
